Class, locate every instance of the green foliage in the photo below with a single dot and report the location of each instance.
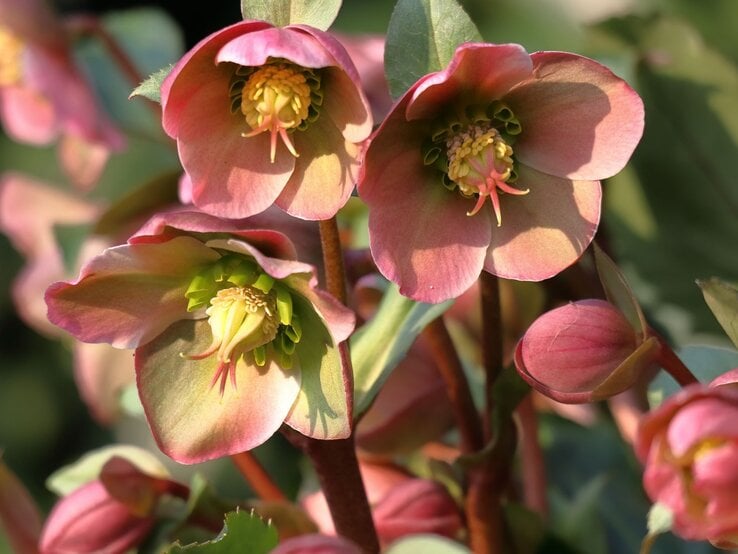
(422, 37)
(239, 529)
(722, 298)
(151, 86)
(316, 13)
(427, 544)
(378, 346)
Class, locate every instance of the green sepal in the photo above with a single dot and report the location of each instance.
(260, 355)
(264, 283)
(284, 304)
(244, 273)
(294, 329)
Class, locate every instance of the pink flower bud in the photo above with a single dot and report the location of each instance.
(416, 506)
(317, 544)
(689, 446)
(582, 352)
(91, 520)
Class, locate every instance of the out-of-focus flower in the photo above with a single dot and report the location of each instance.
(689, 446)
(220, 320)
(531, 133)
(44, 96)
(111, 514)
(583, 352)
(266, 115)
(317, 544)
(29, 212)
(401, 505)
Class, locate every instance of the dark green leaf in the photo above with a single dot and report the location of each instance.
(151, 86)
(422, 37)
(722, 298)
(316, 13)
(240, 529)
(378, 346)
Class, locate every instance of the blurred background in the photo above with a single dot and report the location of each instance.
(670, 217)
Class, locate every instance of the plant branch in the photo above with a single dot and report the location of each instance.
(257, 477)
(673, 365)
(489, 288)
(533, 464)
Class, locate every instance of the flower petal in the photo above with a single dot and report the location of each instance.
(255, 48)
(190, 419)
(321, 408)
(711, 417)
(579, 120)
(421, 237)
(232, 176)
(130, 293)
(324, 174)
(195, 70)
(478, 72)
(346, 105)
(545, 231)
(27, 116)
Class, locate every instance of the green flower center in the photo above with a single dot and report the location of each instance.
(250, 316)
(475, 156)
(278, 97)
(11, 48)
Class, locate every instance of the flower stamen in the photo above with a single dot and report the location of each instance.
(480, 163)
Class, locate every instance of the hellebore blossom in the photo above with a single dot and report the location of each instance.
(267, 115)
(583, 352)
(689, 446)
(231, 338)
(43, 95)
(494, 164)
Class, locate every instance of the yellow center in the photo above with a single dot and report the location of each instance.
(276, 98)
(480, 163)
(241, 319)
(11, 48)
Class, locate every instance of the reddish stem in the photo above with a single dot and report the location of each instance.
(674, 366)
(257, 477)
(489, 288)
(335, 461)
(533, 464)
(457, 387)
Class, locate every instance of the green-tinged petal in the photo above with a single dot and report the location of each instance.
(190, 419)
(321, 408)
(129, 294)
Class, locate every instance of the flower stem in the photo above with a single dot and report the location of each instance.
(457, 386)
(335, 461)
(488, 481)
(533, 465)
(674, 366)
(257, 477)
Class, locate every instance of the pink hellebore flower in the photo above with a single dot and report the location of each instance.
(531, 133)
(267, 115)
(689, 446)
(230, 341)
(583, 352)
(43, 95)
(29, 212)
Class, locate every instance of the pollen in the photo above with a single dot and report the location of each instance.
(276, 98)
(11, 48)
(481, 165)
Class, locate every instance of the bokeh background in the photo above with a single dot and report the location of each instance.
(670, 217)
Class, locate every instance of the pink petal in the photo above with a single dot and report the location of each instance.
(277, 268)
(128, 294)
(232, 176)
(703, 418)
(579, 120)
(190, 419)
(346, 105)
(421, 237)
(27, 115)
(35, 22)
(478, 73)
(545, 231)
(255, 48)
(20, 519)
(324, 174)
(83, 161)
(196, 69)
(101, 373)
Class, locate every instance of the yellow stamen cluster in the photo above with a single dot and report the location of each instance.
(480, 163)
(242, 317)
(276, 98)
(11, 48)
